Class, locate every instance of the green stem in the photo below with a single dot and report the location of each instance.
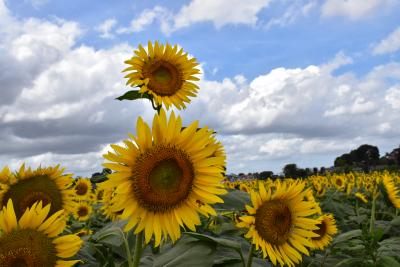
(138, 249)
(372, 221)
(250, 256)
(127, 249)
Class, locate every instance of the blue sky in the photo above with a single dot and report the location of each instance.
(290, 81)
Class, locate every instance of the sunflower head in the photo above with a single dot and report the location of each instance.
(32, 240)
(48, 185)
(83, 211)
(326, 229)
(165, 177)
(165, 72)
(83, 188)
(361, 196)
(278, 222)
(392, 190)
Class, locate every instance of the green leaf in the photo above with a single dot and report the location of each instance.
(350, 262)
(218, 240)
(395, 221)
(133, 95)
(387, 261)
(347, 236)
(234, 200)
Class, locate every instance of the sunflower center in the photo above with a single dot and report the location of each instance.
(320, 231)
(339, 182)
(164, 78)
(27, 248)
(162, 178)
(83, 211)
(81, 189)
(273, 221)
(26, 192)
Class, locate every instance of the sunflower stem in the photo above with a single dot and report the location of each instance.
(127, 248)
(372, 220)
(138, 249)
(250, 256)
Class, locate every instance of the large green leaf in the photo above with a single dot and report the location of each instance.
(234, 200)
(133, 95)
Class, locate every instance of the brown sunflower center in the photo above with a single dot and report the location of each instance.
(83, 211)
(163, 178)
(165, 78)
(27, 248)
(321, 231)
(26, 192)
(339, 182)
(273, 221)
(81, 189)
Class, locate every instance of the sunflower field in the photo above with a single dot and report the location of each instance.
(166, 200)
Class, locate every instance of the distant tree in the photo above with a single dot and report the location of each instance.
(315, 170)
(290, 170)
(365, 157)
(265, 174)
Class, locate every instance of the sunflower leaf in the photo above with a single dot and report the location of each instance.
(133, 95)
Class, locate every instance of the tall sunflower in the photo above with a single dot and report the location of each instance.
(165, 176)
(28, 186)
(32, 240)
(165, 72)
(326, 229)
(83, 211)
(392, 191)
(83, 188)
(278, 222)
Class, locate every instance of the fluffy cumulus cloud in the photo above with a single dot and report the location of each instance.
(106, 27)
(58, 104)
(355, 9)
(390, 44)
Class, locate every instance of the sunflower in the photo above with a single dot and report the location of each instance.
(32, 241)
(83, 188)
(84, 231)
(392, 191)
(28, 186)
(83, 211)
(338, 182)
(361, 196)
(165, 72)
(326, 229)
(278, 222)
(166, 176)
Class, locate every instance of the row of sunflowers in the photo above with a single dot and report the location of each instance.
(166, 201)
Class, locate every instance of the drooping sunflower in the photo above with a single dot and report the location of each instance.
(48, 185)
(166, 176)
(326, 229)
(32, 240)
(165, 72)
(278, 222)
(392, 191)
(361, 196)
(83, 211)
(83, 188)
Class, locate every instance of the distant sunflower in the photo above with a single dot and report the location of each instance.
(84, 231)
(166, 176)
(83, 211)
(338, 182)
(278, 224)
(326, 229)
(32, 241)
(48, 185)
(392, 191)
(165, 72)
(107, 208)
(83, 188)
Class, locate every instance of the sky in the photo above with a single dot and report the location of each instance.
(300, 81)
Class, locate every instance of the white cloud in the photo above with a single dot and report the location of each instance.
(390, 44)
(355, 9)
(106, 27)
(296, 10)
(393, 97)
(146, 18)
(38, 3)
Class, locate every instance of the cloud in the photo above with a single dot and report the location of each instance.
(146, 18)
(38, 3)
(106, 27)
(354, 9)
(388, 45)
(292, 13)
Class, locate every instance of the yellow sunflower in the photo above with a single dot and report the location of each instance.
(165, 72)
(83, 211)
(278, 222)
(83, 188)
(361, 196)
(28, 186)
(84, 231)
(166, 176)
(326, 229)
(32, 240)
(392, 191)
(338, 182)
